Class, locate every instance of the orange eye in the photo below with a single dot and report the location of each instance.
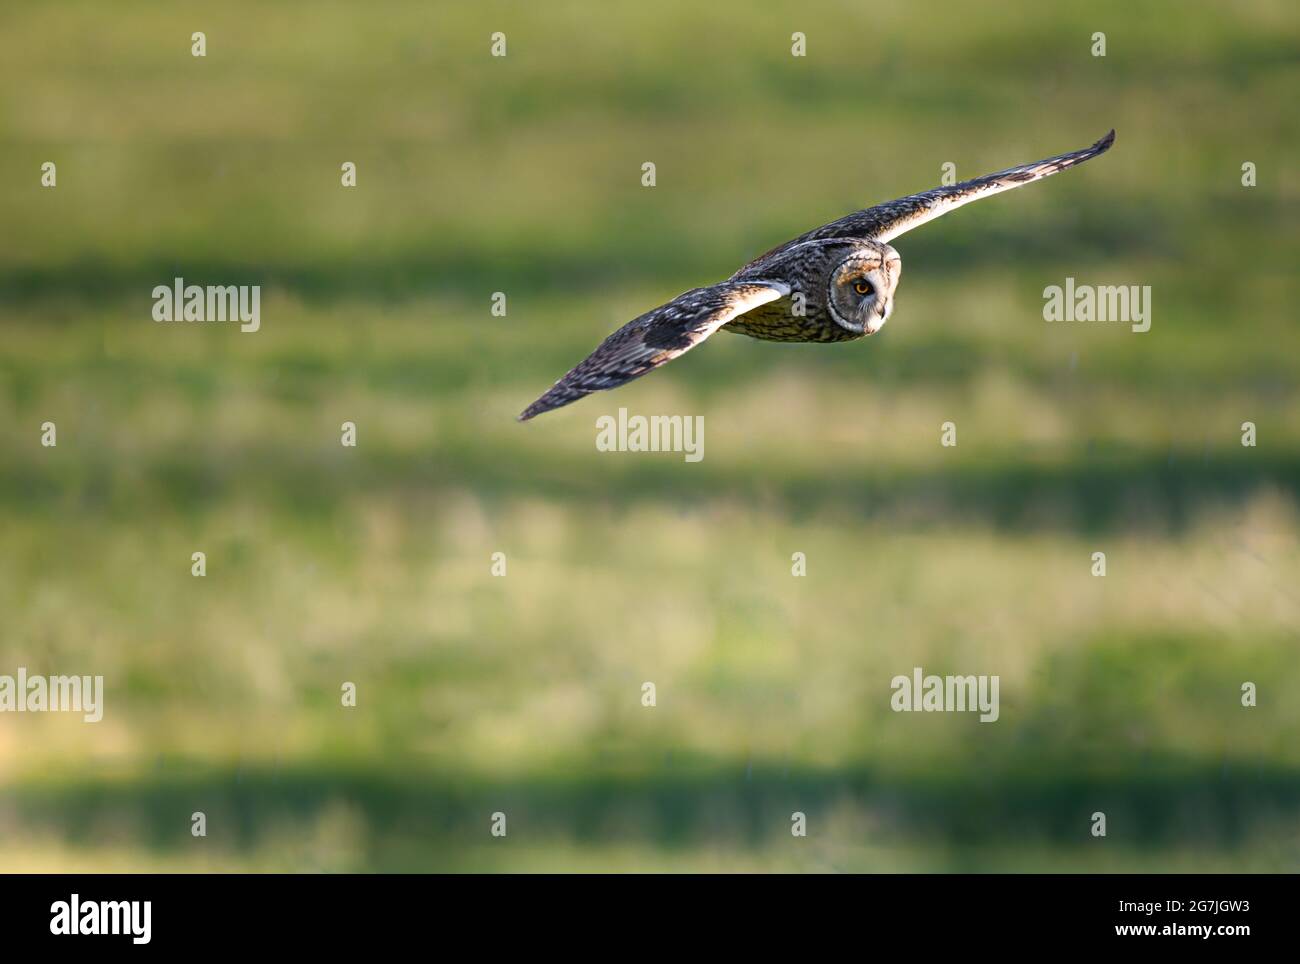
(863, 287)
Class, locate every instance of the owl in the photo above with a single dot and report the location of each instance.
(833, 283)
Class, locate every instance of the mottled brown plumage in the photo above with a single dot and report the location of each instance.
(833, 283)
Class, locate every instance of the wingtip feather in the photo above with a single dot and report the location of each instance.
(549, 401)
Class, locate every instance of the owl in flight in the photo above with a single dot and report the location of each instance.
(833, 283)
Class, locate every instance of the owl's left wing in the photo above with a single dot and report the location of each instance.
(658, 336)
(889, 220)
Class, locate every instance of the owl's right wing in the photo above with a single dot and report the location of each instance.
(658, 336)
(889, 220)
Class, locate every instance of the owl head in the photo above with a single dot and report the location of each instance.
(861, 292)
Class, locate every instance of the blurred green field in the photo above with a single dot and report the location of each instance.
(522, 694)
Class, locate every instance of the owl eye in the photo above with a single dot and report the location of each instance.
(863, 287)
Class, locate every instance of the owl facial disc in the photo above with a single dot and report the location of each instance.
(861, 288)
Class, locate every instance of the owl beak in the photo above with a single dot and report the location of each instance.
(877, 319)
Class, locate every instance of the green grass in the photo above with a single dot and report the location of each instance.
(522, 693)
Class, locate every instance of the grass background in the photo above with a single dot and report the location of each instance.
(522, 694)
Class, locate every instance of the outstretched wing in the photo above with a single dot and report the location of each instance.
(656, 337)
(889, 220)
